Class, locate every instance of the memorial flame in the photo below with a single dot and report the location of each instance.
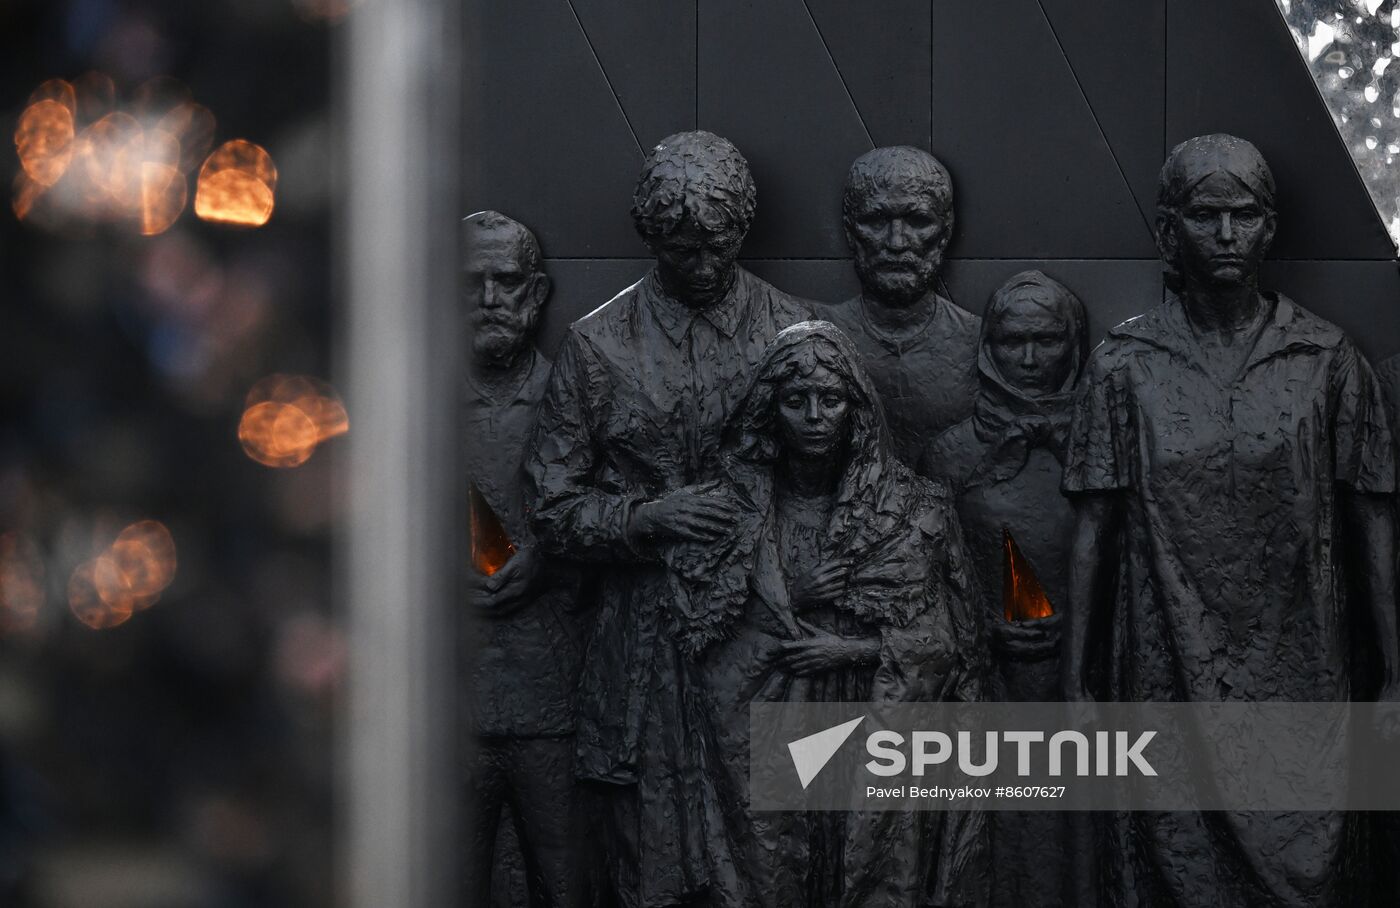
(1022, 596)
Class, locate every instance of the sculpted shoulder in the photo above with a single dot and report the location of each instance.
(786, 307)
(611, 320)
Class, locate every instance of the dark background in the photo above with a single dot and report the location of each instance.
(1053, 116)
(184, 758)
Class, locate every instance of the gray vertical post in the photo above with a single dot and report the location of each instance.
(402, 107)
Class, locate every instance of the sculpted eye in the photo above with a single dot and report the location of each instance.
(832, 400)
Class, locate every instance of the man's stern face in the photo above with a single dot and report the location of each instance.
(898, 237)
(503, 296)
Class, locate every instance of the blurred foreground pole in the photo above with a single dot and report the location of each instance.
(402, 107)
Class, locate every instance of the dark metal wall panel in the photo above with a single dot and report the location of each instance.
(885, 56)
(580, 286)
(1232, 67)
(820, 280)
(1117, 51)
(548, 144)
(1033, 174)
(648, 53)
(1361, 298)
(768, 82)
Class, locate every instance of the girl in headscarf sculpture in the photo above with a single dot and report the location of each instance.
(844, 580)
(1004, 464)
(1229, 459)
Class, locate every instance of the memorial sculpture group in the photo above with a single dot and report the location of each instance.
(719, 494)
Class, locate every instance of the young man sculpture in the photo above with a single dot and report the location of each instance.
(630, 425)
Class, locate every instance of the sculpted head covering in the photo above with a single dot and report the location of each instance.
(1193, 161)
(1006, 417)
(696, 175)
(885, 519)
(752, 434)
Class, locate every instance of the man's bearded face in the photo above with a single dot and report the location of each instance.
(502, 296)
(898, 236)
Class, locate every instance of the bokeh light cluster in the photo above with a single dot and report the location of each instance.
(126, 578)
(286, 417)
(85, 158)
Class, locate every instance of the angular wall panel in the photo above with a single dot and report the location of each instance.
(768, 83)
(545, 141)
(1232, 67)
(1033, 173)
(1117, 51)
(884, 54)
(648, 53)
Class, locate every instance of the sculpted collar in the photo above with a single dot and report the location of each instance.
(675, 317)
(1290, 328)
(478, 394)
(899, 344)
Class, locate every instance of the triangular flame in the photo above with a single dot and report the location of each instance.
(1022, 596)
(491, 545)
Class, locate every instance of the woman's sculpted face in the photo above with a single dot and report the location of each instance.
(814, 413)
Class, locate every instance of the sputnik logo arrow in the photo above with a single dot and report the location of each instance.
(813, 752)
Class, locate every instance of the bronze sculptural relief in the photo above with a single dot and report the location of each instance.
(1229, 456)
(703, 449)
(1004, 466)
(520, 606)
(844, 579)
(917, 344)
(630, 426)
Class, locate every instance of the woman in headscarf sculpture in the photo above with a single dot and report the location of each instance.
(844, 580)
(1229, 461)
(1004, 464)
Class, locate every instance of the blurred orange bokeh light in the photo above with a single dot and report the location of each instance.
(21, 583)
(237, 185)
(126, 578)
(287, 416)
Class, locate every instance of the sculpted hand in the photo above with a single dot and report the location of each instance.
(822, 585)
(684, 514)
(1027, 640)
(825, 652)
(508, 589)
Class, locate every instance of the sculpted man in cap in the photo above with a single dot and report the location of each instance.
(1231, 466)
(919, 347)
(528, 645)
(629, 428)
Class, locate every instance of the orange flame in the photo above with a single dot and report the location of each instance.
(21, 584)
(491, 544)
(237, 185)
(287, 417)
(1022, 596)
(44, 140)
